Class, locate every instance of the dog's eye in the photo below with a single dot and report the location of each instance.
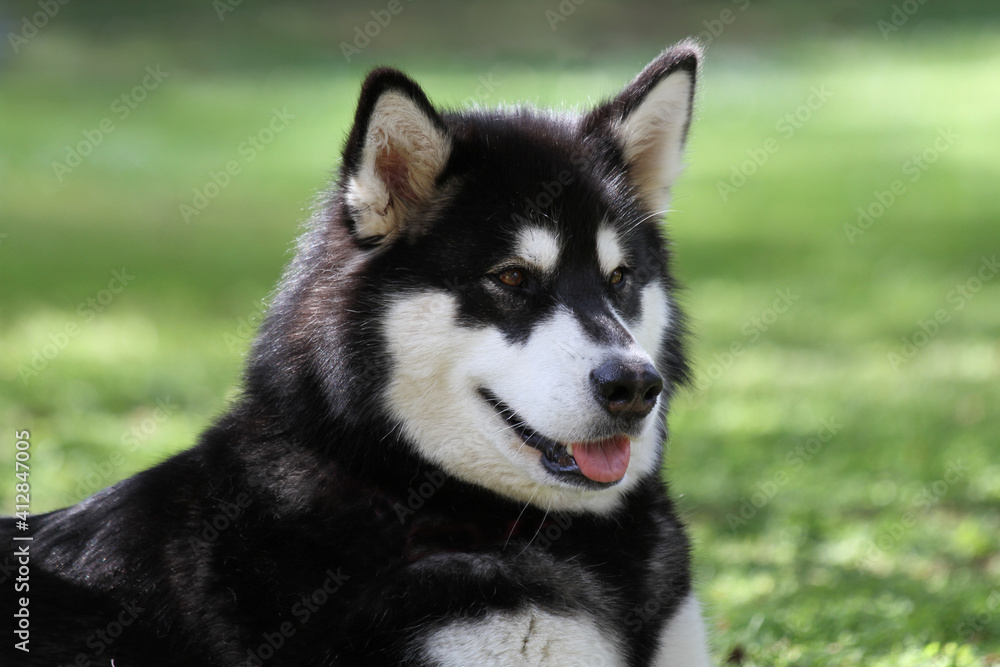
(511, 277)
(617, 276)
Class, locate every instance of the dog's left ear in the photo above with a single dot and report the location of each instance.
(397, 148)
(650, 118)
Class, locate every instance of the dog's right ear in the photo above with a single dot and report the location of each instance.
(396, 150)
(650, 119)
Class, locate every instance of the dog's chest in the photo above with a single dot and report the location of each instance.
(529, 636)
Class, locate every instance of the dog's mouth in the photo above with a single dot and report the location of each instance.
(594, 463)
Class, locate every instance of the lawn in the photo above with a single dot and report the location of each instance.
(838, 459)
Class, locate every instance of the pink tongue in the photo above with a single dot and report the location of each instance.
(603, 460)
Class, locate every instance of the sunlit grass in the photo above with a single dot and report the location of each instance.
(793, 455)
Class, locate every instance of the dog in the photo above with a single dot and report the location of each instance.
(449, 442)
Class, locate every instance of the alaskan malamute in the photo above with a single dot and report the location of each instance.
(449, 445)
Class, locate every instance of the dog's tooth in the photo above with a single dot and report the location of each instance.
(569, 449)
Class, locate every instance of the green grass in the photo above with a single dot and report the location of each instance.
(845, 503)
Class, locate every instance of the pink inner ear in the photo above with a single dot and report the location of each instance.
(391, 167)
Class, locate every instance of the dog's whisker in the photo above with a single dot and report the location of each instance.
(510, 427)
(539, 529)
(523, 509)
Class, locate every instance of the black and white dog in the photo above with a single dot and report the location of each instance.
(449, 446)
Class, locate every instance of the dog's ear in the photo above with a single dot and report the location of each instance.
(649, 119)
(395, 152)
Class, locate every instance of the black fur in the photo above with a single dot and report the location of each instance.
(306, 486)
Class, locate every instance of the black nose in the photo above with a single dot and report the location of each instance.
(627, 390)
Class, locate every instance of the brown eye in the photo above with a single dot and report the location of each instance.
(617, 276)
(512, 277)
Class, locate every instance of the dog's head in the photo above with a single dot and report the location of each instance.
(493, 284)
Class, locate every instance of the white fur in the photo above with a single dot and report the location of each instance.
(609, 250)
(438, 366)
(539, 247)
(653, 136)
(529, 637)
(655, 319)
(683, 642)
(400, 130)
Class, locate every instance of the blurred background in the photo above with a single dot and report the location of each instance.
(837, 231)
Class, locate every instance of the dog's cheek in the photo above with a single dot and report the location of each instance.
(546, 380)
(431, 390)
(654, 321)
(423, 343)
